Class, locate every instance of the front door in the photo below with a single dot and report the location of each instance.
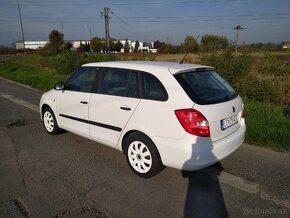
(73, 102)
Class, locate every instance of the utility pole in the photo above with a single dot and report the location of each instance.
(20, 17)
(90, 33)
(91, 39)
(105, 14)
(61, 23)
(238, 28)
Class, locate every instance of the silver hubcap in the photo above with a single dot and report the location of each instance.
(48, 121)
(139, 157)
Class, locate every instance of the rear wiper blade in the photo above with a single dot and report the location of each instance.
(227, 97)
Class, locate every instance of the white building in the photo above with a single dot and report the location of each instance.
(143, 46)
(77, 43)
(34, 45)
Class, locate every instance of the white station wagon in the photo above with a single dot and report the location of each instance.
(159, 114)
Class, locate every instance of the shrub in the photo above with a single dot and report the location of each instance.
(276, 74)
(233, 68)
(68, 61)
(270, 83)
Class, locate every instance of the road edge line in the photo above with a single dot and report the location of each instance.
(20, 102)
(22, 85)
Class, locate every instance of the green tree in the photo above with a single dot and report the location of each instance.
(190, 44)
(97, 44)
(85, 47)
(112, 44)
(157, 44)
(68, 45)
(213, 42)
(55, 44)
(56, 41)
(118, 46)
(137, 44)
(126, 47)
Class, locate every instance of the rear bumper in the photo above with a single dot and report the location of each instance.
(193, 153)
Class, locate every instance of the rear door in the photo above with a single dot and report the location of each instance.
(114, 103)
(72, 103)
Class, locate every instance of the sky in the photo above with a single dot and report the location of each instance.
(164, 20)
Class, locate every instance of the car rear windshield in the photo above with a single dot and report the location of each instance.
(205, 87)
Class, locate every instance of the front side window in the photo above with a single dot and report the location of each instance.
(82, 80)
(152, 88)
(119, 82)
(205, 87)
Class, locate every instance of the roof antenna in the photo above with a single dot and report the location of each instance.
(181, 62)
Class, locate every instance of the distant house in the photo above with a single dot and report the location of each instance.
(143, 46)
(286, 45)
(77, 43)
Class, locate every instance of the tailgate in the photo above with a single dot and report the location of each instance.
(224, 118)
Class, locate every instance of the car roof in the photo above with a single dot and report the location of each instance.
(149, 65)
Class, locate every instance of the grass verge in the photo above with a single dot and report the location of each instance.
(267, 125)
(34, 72)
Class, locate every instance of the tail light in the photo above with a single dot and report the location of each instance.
(193, 122)
(243, 114)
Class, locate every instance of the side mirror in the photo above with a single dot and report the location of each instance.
(59, 86)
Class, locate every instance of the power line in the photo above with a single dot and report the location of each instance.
(148, 20)
(280, 16)
(128, 26)
(135, 3)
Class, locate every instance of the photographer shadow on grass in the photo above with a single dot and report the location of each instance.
(204, 197)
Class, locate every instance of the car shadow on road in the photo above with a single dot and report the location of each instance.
(204, 196)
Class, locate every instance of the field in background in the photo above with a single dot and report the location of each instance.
(268, 121)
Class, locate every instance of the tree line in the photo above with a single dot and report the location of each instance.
(190, 44)
(208, 43)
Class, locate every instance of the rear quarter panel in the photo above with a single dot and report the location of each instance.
(157, 118)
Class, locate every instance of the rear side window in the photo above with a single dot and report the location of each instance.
(152, 88)
(205, 87)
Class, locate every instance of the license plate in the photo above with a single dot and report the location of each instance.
(228, 122)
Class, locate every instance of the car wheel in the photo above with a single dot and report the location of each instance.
(142, 155)
(49, 122)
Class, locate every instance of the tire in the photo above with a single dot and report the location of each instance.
(49, 122)
(142, 155)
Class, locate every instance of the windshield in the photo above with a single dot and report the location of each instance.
(205, 87)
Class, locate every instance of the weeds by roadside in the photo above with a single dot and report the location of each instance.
(30, 71)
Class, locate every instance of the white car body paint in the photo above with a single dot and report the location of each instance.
(156, 119)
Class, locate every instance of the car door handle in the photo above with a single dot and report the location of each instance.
(84, 102)
(125, 108)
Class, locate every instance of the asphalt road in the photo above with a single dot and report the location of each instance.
(69, 176)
